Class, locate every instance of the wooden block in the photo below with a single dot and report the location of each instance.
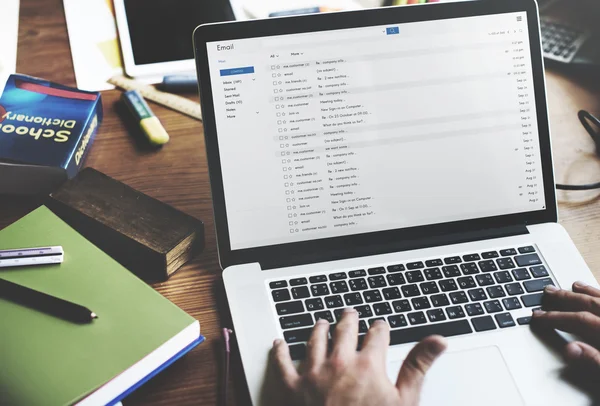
(150, 238)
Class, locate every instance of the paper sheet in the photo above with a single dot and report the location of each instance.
(9, 34)
(94, 42)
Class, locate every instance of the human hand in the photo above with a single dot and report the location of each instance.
(576, 312)
(349, 377)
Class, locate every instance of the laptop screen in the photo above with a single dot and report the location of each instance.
(344, 132)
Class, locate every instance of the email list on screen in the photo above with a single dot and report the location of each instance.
(342, 132)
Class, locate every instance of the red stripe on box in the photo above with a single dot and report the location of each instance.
(50, 91)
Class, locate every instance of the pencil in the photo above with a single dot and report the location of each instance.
(45, 303)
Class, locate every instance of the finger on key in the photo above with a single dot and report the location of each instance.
(283, 362)
(377, 340)
(317, 344)
(563, 300)
(345, 337)
(582, 287)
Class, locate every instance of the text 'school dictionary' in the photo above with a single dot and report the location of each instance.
(46, 130)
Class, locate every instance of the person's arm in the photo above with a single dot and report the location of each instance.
(345, 376)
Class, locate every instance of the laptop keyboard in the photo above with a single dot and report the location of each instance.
(455, 295)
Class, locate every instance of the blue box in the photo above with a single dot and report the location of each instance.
(46, 131)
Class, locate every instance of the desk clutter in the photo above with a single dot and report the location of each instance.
(80, 324)
(46, 132)
(47, 360)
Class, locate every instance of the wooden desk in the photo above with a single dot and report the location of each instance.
(178, 176)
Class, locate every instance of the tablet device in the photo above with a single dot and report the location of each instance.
(156, 35)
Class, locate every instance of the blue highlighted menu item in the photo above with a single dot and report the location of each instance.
(237, 71)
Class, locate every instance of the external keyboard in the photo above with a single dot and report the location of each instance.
(450, 296)
(561, 42)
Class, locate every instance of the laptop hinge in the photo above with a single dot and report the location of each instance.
(394, 246)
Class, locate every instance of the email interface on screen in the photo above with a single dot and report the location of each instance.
(335, 133)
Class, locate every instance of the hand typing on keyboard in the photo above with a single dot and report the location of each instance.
(576, 312)
(345, 376)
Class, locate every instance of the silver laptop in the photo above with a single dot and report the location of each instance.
(397, 161)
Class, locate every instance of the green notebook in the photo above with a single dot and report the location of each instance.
(48, 361)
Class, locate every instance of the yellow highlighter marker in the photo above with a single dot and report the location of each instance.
(149, 123)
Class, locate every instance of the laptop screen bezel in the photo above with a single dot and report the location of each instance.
(356, 19)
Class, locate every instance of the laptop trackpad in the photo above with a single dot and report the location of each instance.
(471, 377)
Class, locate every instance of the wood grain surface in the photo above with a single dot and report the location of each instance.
(178, 175)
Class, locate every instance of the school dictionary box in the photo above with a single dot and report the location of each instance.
(46, 131)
